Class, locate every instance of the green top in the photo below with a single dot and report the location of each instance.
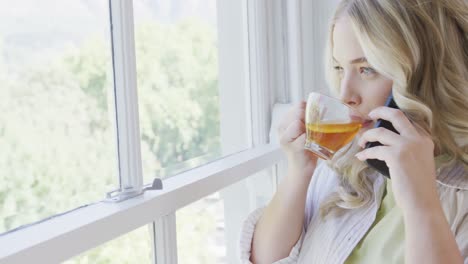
(384, 242)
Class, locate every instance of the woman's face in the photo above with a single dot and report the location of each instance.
(361, 86)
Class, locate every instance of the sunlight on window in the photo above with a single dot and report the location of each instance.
(200, 232)
(177, 74)
(57, 137)
(57, 132)
(134, 247)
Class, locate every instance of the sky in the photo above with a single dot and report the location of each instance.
(31, 28)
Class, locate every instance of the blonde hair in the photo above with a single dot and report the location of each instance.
(422, 46)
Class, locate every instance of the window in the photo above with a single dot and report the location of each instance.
(208, 229)
(200, 232)
(189, 86)
(133, 247)
(177, 73)
(57, 135)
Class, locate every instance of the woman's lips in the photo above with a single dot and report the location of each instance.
(365, 123)
(355, 118)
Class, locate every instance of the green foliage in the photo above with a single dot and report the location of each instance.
(177, 80)
(134, 247)
(196, 230)
(58, 143)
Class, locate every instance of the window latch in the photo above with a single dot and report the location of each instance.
(128, 192)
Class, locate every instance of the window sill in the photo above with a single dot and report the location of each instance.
(67, 235)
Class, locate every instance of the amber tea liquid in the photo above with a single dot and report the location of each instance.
(330, 137)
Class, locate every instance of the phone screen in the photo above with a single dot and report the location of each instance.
(380, 165)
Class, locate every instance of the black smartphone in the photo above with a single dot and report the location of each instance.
(380, 165)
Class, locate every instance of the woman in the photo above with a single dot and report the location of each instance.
(417, 50)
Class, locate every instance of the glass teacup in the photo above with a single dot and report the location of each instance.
(330, 124)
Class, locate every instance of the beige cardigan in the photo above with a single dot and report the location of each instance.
(332, 241)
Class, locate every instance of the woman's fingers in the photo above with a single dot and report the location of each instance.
(297, 112)
(380, 134)
(398, 119)
(299, 142)
(379, 152)
(292, 132)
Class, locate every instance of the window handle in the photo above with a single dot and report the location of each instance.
(120, 195)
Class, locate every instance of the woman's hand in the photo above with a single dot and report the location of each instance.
(276, 232)
(409, 156)
(292, 136)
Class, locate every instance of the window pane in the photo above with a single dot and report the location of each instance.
(208, 231)
(57, 137)
(200, 232)
(134, 247)
(177, 65)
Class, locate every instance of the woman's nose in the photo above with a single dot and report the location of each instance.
(349, 92)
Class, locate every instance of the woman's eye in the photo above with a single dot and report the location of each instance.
(338, 68)
(367, 71)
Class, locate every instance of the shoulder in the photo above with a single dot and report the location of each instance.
(453, 177)
(454, 200)
(453, 190)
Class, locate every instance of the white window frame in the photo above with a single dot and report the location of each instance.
(70, 234)
(126, 100)
(281, 52)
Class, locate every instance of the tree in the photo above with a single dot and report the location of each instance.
(57, 139)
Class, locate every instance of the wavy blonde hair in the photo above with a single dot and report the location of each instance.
(422, 46)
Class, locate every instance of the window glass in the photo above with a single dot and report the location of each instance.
(200, 232)
(177, 75)
(134, 247)
(57, 136)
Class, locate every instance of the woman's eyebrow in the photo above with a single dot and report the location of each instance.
(354, 61)
(358, 60)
